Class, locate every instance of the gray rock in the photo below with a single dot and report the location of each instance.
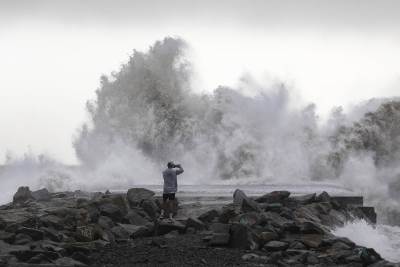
(195, 223)
(323, 197)
(221, 228)
(265, 237)
(105, 222)
(112, 211)
(250, 257)
(219, 239)
(238, 197)
(275, 246)
(229, 212)
(119, 232)
(209, 216)
(22, 195)
(41, 195)
(52, 221)
(308, 227)
(242, 237)
(274, 197)
(50, 233)
(340, 246)
(165, 227)
(7, 237)
(136, 195)
(22, 239)
(249, 205)
(35, 234)
(249, 219)
(136, 231)
(151, 208)
(135, 218)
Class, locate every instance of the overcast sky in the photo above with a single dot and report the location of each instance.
(52, 54)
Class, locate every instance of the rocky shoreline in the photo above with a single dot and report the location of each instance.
(104, 229)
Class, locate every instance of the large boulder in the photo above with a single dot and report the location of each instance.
(22, 195)
(35, 234)
(41, 195)
(136, 231)
(151, 208)
(134, 217)
(273, 197)
(229, 212)
(238, 197)
(219, 239)
(136, 195)
(164, 227)
(195, 223)
(247, 204)
(242, 237)
(209, 215)
(112, 211)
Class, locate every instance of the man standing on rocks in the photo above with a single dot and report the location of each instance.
(170, 188)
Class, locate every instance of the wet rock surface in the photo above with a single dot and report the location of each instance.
(95, 229)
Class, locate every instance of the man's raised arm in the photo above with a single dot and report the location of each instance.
(179, 170)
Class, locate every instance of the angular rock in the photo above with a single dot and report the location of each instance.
(105, 222)
(249, 219)
(242, 237)
(136, 195)
(195, 223)
(22, 239)
(22, 195)
(219, 239)
(135, 218)
(249, 205)
(250, 257)
(35, 234)
(238, 197)
(51, 234)
(220, 228)
(136, 231)
(7, 237)
(151, 208)
(165, 227)
(308, 227)
(112, 211)
(340, 246)
(323, 197)
(119, 232)
(265, 237)
(209, 216)
(275, 246)
(41, 195)
(273, 197)
(274, 219)
(311, 240)
(52, 221)
(229, 212)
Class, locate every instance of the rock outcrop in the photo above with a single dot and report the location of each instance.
(69, 228)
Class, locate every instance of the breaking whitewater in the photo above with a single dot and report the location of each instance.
(146, 114)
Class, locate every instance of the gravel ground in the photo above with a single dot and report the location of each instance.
(179, 250)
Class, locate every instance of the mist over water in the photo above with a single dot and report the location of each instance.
(146, 114)
(384, 239)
